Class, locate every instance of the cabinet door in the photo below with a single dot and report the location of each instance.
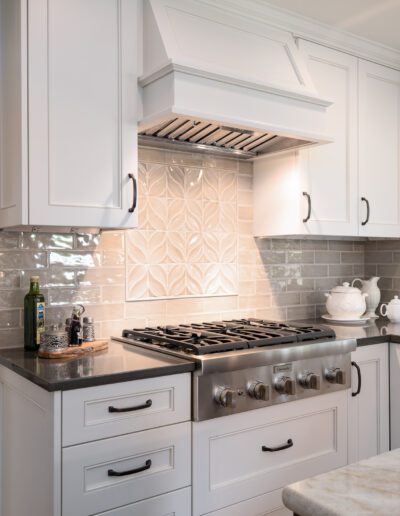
(331, 170)
(379, 150)
(369, 410)
(394, 398)
(82, 85)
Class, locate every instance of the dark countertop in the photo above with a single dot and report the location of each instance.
(120, 363)
(373, 332)
(124, 362)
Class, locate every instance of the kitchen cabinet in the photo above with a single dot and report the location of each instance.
(319, 180)
(369, 409)
(68, 113)
(350, 187)
(379, 150)
(65, 470)
(230, 468)
(394, 398)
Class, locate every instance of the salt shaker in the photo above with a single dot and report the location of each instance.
(88, 329)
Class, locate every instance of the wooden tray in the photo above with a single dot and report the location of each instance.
(76, 351)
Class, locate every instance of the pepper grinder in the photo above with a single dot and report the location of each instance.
(75, 329)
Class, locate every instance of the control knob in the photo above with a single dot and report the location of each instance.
(225, 397)
(335, 375)
(258, 391)
(285, 385)
(310, 381)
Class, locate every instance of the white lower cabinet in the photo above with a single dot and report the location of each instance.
(229, 464)
(369, 409)
(178, 503)
(394, 398)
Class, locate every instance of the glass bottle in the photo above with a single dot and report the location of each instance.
(34, 315)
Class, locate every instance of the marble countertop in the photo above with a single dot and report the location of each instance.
(121, 362)
(368, 487)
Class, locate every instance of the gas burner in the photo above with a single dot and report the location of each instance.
(222, 336)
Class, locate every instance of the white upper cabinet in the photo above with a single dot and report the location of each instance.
(80, 109)
(379, 150)
(314, 191)
(331, 170)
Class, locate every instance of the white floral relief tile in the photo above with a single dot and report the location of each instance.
(186, 243)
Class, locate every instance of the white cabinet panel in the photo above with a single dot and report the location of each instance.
(86, 412)
(369, 410)
(269, 504)
(328, 173)
(379, 149)
(229, 465)
(394, 395)
(177, 503)
(331, 170)
(152, 462)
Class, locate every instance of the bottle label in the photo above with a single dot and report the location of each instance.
(40, 320)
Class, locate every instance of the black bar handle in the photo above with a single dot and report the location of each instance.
(134, 198)
(307, 218)
(113, 473)
(368, 211)
(354, 364)
(289, 444)
(148, 404)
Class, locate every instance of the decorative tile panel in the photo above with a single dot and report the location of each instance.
(186, 243)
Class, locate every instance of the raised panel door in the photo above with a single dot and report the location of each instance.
(82, 112)
(331, 170)
(379, 150)
(369, 410)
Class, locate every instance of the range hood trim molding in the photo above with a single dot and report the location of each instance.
(286, 92)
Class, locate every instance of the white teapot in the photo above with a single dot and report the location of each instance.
(392, 310)
(345, 302)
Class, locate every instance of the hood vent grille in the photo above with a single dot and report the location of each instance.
(188, 134)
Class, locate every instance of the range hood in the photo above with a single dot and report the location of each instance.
(217, 82)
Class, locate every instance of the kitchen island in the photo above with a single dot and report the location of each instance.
(370, 486)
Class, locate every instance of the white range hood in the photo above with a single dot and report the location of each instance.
(220, 82)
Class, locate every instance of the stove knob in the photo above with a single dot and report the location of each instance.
(310, 381)
(225, 397)
(335, 375)
(285, 385)
(258, 391)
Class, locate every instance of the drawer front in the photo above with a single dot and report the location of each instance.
(177, 503)
(269, 504)
(121, 408)
(156, 461)
(229, 464)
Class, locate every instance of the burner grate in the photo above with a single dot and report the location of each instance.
(222, 336)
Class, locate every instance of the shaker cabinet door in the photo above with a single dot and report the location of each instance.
(82, 85)
(331, 170)
(379, 150)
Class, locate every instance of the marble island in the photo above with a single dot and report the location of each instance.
(368, 487)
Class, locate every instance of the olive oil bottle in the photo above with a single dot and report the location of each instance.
(34, 315)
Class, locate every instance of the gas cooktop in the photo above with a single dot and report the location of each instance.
(223, 336)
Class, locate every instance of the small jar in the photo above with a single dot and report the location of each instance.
(54, 339)
(88, 329)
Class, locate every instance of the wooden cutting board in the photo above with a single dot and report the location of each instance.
(76, 351)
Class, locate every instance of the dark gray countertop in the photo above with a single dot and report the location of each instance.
(120, 363)
(123, 362)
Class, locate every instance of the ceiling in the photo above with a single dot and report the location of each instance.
(377, 20)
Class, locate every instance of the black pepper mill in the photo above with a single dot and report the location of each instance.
(75, 328)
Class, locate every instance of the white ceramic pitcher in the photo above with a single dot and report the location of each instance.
(371, 288)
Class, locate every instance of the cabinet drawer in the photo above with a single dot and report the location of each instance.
(229, 465)
(158, 461)
(95, 412)
(177, 503)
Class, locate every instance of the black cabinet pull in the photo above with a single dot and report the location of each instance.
(289, 444)
(148, 404)
(354, 364)
(134, 192)
(309, 206)
(113, 473)
(368, 211)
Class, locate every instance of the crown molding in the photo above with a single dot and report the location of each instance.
(311, 30)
